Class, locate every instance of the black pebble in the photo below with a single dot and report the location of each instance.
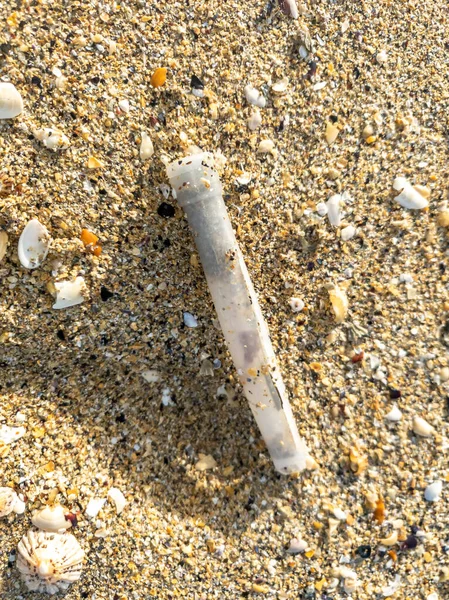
(60, 334)
(364, 551)
(105, 293)
(411, 542)
(196, 83)
(166, 210)
(395, 394)
(35, 80)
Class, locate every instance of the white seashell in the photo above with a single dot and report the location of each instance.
(321, 209)
(265, 147)
(289, 8)
(279, 87)
(254, 120)
(409, 197)
(11, 103)
(52, 138)
(69, 293)
(244, 179)
(348, 233)
(118, 498)
(189, 320)
(151, 375)
(422, 427)
(394, 415)
(124, 106)
(339, 303)
(391, 540)
(146, 147)
(382, 57)
(3, 244)
(49, 562)
(296, 304)
(433, 491)
(392, 588)
(254, 97)
(19, 506)
(34, 244)
(432, 596)
(8, 501)
(340, 514)
(51, 518)
(297, 545)
(8, 434)
(333, 210)
(94, 506)
(350, 584)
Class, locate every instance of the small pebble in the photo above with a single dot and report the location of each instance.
(433, 491)
(395, 415)
(347, 233)
(333, 210)
(254, 120)
(331, 133)
(189, 320)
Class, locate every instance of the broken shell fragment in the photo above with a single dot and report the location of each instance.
(254, 97)
(51, 518)
(331, 133)
(10, 502)
(34, 244)
(433, 491)
(391, 540)
(8, 434)
(421, 427)
(333, 210)
(49, 562)
(146, 147)
(69, 293)
(3, 244)
(51, 138)
(339, 302)
(279, 87)
(289, 8)
(296, 304)
(409, 197)
(254, 120)
(11, 103)
(118, 498)
(395, 415)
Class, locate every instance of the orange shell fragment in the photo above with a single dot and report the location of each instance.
(159, 77)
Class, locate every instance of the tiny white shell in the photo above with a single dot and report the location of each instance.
(146, 147)
(52, 138)
(189, 320)
(394, 415)
(265, 147)
(151, 375)
(279, 87)
(51, 518)
(254, 97)
(11, 103)
(8, 434)
(244, 179)
(390, 540)
(422, 427)
(49, 562)
(340, 514)
(69, 293)
(118, 498)
(409, 197)
(296, 304)
(94, 506)
(34, 244)
(433, 491)
(297, 545)
(124, 106)
(254, 120)
(8, 500)
(321, 209)
(348, 233)
(333, 210)
(3, 244)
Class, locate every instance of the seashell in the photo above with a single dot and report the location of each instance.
(339, 303)
(391, 540)
(10, 502)
(151, 375)
(34, 244)
(422, 427)
(49, 562)
(68, 293)
(254, 120)
(382, 57)
(118, 498)
(433, 491)
(11, 103)
(279, 87)
(52, 138)
(297, 545)
(94, 506)
(289, 8)
(254, 97)
(124, 106)
(348, 233)
(394, 415)
(265, 147)
(340, 514)
(11, 434)
(333, 210)
(3, 244)
(51, 518)
(189, 320)
(94, 163)
(296, 304)
(321, 209)
(409, 197)
(331, 131)
(244, 179)
(146, 147)
(350, 584)
(392, 588)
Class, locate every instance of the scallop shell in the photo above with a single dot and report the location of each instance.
(49, 562)
(51, 518)
(11, 103)
(52, 138)
(68, 293)
(3, 244)
(8, 499)
(33, 244)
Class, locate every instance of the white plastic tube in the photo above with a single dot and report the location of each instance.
(199, 192)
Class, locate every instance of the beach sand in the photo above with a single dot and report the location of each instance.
(378, 72)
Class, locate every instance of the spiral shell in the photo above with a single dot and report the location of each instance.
(11, 103)
(49, 562)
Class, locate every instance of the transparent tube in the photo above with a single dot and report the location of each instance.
(199, 192)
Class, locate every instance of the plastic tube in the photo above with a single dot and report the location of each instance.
(199, 192)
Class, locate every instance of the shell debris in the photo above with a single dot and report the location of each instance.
(34, 244)
(339, 302)
(146, 150)
(52, 138)
(11, 103)
(118, 498)
(69, 293)
(10, 502)
(51, 518)
(9, 435)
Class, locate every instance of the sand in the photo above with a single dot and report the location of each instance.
(73, 377)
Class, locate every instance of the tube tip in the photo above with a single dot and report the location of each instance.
(194, 177)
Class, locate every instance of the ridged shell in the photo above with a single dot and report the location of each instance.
(11, 103)
(33, 245)
(51, 518)
(8, 499)
(49, 562)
